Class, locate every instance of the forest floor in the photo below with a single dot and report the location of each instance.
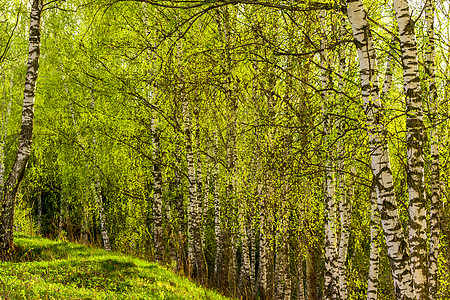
(46, 269)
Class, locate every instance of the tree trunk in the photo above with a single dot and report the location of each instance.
(280, 262)
(311, 285)
(97, 192)
(435, 207)
(220, 270)
(372, 286)
(344, 209)
(181, 212)
(157, 177)
(245, 280)
(387, 203)
(26, 130)
(414, 141)
(195, 247)
(301, 284)
(263, 250)
(157, 193)
(331, 290)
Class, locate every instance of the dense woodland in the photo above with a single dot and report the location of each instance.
(266, 149)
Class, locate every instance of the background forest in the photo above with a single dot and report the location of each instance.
(266, 149)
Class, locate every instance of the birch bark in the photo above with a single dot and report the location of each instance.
(331, 256)
(157, 193)
(198, 263)
(263, 249)
(245, 290)
(26, 131)
(372, 286)
(414, 141)
(220, 258)
(98, 197)
(435, 207)
(387, 203)
(280, 261)
(156, 166)
(301, 285)
(344, 209)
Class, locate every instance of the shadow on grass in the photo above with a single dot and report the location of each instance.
(109, 274)
(27, 249)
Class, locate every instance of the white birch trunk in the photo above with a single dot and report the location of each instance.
(387, 204)
(263, 250)
(205, 198)
(97, 188)
(435, 207)
(280, 264)
(26, 130)
(181, 213)
(331, 290)
(344, 209)
(372, 286)
(219, 264)
(195, 248)
(414, 142)
(156, 166)
(245, 281)
(157, 193)
(97, 192)
(193, 218)
(252, 255)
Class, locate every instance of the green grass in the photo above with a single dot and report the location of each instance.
(45, 269)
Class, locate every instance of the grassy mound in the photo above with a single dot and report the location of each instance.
(45, 269)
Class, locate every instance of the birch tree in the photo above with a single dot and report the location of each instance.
(415, 143)
(26, 131)
(374, 263)
(381, 168)
(432, 98)
(331, 255)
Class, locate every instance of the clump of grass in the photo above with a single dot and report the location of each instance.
(44, 269)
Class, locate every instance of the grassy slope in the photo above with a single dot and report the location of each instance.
(60, 270)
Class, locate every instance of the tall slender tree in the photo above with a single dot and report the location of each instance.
(381, 167)
(26, 131)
